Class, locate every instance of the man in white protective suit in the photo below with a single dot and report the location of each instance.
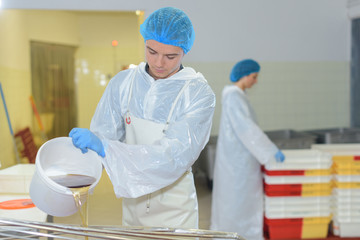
(237, 197)
(150, 126)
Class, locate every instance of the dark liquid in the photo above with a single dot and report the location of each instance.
(73, 180)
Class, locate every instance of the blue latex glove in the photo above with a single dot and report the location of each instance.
(279, 156)
(84, 139)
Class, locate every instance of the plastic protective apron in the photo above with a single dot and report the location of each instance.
(172, 206)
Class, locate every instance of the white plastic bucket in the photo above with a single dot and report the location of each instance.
(59, 156)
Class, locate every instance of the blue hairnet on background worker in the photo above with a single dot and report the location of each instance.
(150, 126)
(242, 147)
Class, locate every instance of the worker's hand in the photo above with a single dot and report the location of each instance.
(84, 139)
(279, 156)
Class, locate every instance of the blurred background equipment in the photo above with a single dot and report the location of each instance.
(291, 139)
(53, 86)
(38, 119)
(26, 145)
(206, 161)
(336, 135)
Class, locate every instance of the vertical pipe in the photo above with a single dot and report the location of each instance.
(9, 123)
(355, 73)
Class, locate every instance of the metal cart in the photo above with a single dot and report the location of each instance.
(15, 229)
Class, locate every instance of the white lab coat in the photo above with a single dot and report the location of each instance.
(237, 198)
(136, 170)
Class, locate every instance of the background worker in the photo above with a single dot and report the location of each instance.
(150, 126)
(237, 197)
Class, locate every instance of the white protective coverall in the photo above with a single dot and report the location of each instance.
(237, 198)
(136, 170)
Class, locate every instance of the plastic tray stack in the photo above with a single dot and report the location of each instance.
(346, 191)
(298, 195)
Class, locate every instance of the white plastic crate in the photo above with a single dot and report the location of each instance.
(323, 212)
(350, 200)
(339, 149)
(346, 218)
(296, 179)
(17, 178)
(344, 212)
(343, 208)
(347, 178)
(338, 192)
(346, 229)
(296, 201)
(299, 208)
(303, 159)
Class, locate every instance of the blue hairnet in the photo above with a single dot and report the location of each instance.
(244, 68)
(169, 26)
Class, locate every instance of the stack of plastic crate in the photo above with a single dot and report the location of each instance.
(346, 191)
(298, 195)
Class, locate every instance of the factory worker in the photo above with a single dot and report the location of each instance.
(242, 147)
(150, 126)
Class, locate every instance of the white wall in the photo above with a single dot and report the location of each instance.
(277, 30)
(97, 61)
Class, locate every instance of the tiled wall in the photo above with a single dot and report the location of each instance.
(290, 95)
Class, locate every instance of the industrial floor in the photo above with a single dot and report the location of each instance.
(105, 208)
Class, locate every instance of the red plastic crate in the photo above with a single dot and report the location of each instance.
(297, 228)
(284, 172)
